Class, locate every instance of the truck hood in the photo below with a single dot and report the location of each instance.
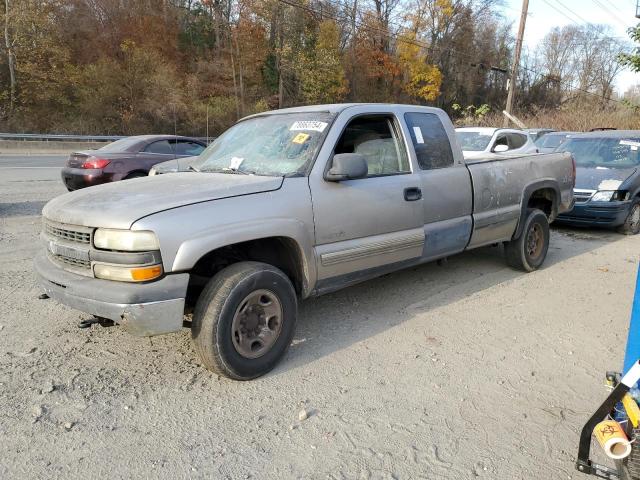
(602, 178)
(120, 204)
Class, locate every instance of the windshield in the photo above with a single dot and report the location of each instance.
(604, 152)
(473, 141)
(550, 140)
(121, 145)
(274, 145)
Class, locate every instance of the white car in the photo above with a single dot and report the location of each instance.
(486, 142)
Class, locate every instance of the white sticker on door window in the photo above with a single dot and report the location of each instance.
(418, 133)
(309, 125)
(630, 143)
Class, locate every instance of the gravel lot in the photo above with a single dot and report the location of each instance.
(458, 371)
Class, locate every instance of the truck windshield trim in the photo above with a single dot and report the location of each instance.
(282, 145)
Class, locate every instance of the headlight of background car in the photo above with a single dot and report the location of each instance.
(125, 240)
(152, 172)
(609, 196)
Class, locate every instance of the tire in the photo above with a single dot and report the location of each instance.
(631, 225)
(527, 253)
(244, 305)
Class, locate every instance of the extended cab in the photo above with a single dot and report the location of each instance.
(283, 206)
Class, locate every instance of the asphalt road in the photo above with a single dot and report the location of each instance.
(462, 371)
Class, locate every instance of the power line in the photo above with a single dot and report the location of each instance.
(571, 11)
(611, 13)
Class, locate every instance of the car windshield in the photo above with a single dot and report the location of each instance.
(121, 145)
(551, 140)
(604, 152)
(473, 141)
(274, 145)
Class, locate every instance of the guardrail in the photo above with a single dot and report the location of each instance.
(59, 138)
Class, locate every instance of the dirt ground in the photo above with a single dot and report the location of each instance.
(456, 372)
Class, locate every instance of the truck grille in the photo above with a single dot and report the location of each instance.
(68, 234)
(582, 196)
(72, 262)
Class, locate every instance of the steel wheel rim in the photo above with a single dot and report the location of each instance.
(257, 323)
(535, 241)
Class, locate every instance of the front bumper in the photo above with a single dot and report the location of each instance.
(76, 178)
(603, 214)
(142, 309)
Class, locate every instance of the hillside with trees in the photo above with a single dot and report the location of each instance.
(139, 66)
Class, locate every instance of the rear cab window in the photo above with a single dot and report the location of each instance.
(430, 141)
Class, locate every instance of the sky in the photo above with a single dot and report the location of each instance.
(618, 14)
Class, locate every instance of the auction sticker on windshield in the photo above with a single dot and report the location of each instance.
(308, 125)
(633, 144)
(300, 138)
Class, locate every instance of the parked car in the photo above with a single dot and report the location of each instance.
(551, 141)
(484, 142)
(538, 133)
(286, 205)
(607, 189)
(126, 158)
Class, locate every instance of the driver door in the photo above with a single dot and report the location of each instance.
(366, 226)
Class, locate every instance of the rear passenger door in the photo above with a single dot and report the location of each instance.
(446, 186)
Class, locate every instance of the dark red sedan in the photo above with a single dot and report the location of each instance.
(129, 157)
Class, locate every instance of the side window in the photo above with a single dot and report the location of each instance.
(375, 138)
(501, 140)
(516, 140)
(161, 146)
(186, 147)
(430, 140)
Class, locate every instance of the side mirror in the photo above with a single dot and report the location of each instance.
(500, 148)
(347, 166)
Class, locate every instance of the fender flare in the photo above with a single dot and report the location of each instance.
(526, 196)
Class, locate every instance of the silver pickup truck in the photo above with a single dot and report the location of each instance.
(283, 206)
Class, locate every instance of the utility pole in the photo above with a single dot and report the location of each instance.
(516, 61)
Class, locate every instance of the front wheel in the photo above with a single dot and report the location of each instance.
(244, 320)
(631, 225)
(528, 252)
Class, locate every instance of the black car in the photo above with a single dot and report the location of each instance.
(126, 158)
(607, 190)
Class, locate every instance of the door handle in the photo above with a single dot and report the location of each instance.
(412, 194)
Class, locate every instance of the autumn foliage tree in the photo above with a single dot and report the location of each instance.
(196, 66)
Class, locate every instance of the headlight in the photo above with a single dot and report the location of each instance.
(125, 240)
(609, 196)
(127, 274)
(152, 172)
(602, 196)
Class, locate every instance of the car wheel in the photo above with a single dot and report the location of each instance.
(631, 225)
(244, 320)
(528, 252)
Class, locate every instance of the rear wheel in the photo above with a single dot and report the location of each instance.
(528, 252)
(244, 320)
(631, 225)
